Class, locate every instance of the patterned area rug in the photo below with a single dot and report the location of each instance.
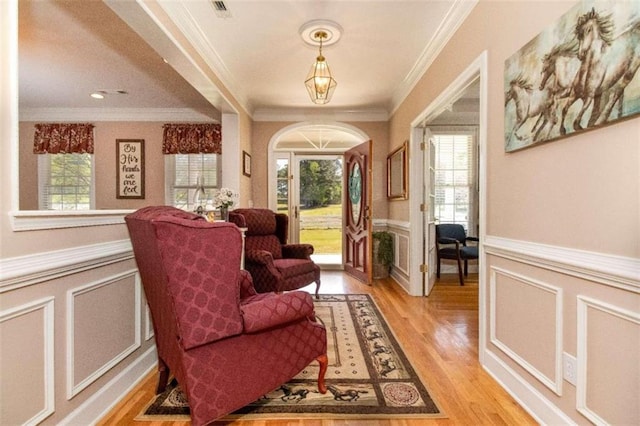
(368, 377)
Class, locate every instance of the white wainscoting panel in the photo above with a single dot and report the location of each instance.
(105, 316)
(549, 310)
(615, 271)
(98, 405)
(603, 383)
(45, 308)
(402, 256)
(148, 328)
(17, 272)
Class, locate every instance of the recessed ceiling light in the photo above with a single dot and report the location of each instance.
(100, 94)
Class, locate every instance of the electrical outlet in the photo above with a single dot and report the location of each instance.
(570, 368)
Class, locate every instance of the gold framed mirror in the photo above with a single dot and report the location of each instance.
(397, 173)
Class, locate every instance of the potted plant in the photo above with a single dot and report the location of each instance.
(382, 254)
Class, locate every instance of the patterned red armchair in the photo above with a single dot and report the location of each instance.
(274, 264)
(226, 344)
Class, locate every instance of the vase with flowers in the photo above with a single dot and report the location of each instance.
(223, 200)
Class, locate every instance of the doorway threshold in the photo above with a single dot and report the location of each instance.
(328, 262)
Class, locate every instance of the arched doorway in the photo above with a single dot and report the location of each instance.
(306, 182)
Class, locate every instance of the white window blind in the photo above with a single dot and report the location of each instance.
(456, 179)
(182, 172)
(65, 182)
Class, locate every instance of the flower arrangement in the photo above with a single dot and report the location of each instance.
(225, 198)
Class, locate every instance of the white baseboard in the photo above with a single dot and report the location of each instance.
(102, 401)
(539, 407)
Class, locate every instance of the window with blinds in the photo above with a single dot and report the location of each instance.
(65, 182)
(455, 175)
(182, 172)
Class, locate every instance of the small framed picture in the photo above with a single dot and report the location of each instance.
(130, 168)
(246, 164)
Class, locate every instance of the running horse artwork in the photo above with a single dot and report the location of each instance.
(578, 75)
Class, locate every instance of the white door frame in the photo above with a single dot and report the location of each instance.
(478, 68)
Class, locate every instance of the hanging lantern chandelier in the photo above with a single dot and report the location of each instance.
(319, 82)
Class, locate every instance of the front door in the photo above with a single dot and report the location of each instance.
(357, 214)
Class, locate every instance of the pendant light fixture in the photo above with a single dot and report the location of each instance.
(319, 82)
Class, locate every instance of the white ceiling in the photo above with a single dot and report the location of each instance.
(71, 48)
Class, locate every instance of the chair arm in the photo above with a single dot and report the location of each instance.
(275, 310)
(297, 251)
(246, 285)
(261, 257)
(445, 240)
(473, 239)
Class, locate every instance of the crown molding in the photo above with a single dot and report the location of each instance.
(450, 24)
(179, 14)
(314, 114)
(113, 114)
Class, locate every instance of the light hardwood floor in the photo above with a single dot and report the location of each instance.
(439, 334)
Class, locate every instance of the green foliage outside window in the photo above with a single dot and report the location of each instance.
(69, 183)
(320, 183)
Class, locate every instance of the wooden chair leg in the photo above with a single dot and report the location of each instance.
(438, 269)
(324, 363)
(466, 268)
(163, 377)
(317, 288)
(460, 271)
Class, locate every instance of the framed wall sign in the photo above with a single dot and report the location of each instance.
(397, 173)
(246, 164)
(130, 168)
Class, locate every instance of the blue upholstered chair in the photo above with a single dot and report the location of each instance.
(451, 243)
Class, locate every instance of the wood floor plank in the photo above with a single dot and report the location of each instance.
(439, 335)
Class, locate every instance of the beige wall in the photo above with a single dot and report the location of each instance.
(377, 131)
(562, 236)
(246, 129)
(576, 192)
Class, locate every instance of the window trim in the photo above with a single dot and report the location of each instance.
(474, 185)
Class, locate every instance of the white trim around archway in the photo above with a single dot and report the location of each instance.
(358, 135)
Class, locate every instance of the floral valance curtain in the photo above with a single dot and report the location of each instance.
(192, 139)
(63, 138)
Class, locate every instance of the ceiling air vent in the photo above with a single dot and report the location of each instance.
(221, 9)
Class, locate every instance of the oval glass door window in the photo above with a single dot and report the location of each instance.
(355, 192)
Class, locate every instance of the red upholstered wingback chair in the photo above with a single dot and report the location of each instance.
(274, 264)
(226, 344)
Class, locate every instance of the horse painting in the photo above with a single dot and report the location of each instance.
(530, 103)
(610, 64)
(559, 69)
(587, 78)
